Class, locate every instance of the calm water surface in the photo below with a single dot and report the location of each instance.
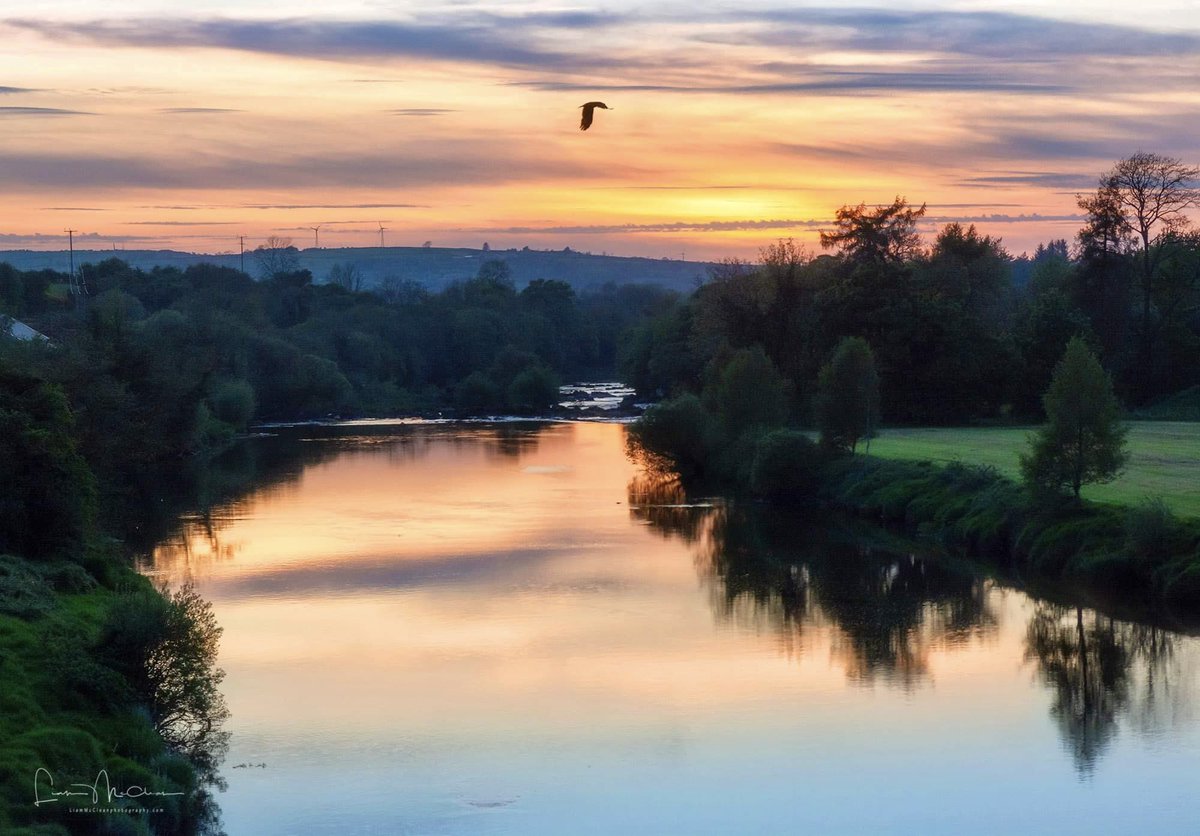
(511, 629)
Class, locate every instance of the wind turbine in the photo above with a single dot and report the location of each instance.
(381, 229)
(316, 236)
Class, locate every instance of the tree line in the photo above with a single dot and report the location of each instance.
(962, 330)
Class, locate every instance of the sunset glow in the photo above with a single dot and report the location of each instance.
(145, 124)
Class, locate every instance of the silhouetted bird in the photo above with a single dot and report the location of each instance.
(588, 110)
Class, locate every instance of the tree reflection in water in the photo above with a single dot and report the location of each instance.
(773, 570)
(182, 529)
(658, 499)
(1102, 670)
(782, 573)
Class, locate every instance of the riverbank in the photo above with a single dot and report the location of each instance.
(72, 645)
(1143, 552)
(1140, 552)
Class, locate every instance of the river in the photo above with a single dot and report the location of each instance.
(511, 628)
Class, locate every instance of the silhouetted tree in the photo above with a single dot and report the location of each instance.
(848, 404)
(748, 393)
(1083, 440)
(350, 276)
(1144, 199)
(276, 255)
(882, 234)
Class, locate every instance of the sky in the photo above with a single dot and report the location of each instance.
(155, 124)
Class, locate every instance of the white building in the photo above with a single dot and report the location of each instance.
(10, 327)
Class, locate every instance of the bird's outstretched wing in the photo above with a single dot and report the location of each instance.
(589, 109)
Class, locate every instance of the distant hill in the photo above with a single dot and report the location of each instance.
(433, 267)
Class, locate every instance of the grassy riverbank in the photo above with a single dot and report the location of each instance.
(1140, 552)
(71, 705)
(104, 681)
(1136, 549)
(1164, 458)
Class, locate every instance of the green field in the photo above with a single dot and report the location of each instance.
(1164, 458)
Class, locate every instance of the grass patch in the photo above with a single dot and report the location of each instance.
(1164, 458)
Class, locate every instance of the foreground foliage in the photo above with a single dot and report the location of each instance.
(79, 696)
(104, 681)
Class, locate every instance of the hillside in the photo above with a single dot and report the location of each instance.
(433, 267)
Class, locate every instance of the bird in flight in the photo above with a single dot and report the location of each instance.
(588, 110)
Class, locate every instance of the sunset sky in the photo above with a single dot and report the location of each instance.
(146, 123)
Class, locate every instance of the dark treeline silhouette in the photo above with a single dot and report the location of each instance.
(287, 348)
(885, 327)
(961, 330)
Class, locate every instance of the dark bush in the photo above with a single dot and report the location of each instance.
(680, 430)
(786, 467)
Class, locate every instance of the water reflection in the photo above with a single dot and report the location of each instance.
(499, 629)
(183, 531)
(1100, 669)
(784, 573)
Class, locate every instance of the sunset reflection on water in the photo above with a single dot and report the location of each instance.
(504, 628)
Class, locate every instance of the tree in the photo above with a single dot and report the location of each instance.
(1103, 282)
(679, 430)
(533, 389)
(972, 268)
(349, 276)
(492, 286)
(884, 234)
(848, 404)
(749, 393)
(1083, 440)
(770, 304)
(165, 645)
(1045, 325)
(1143, 200)
(47, 493)
(276, 255)
(1056, 249)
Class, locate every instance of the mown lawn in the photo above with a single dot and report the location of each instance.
(1164, 458)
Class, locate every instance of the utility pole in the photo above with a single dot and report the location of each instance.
(73, 281)
(71, 244)
(242, 251)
